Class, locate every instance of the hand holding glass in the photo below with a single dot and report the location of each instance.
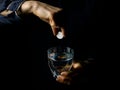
(60, 59)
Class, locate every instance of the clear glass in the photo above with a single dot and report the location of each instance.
(60, 59)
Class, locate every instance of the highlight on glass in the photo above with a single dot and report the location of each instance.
(60, 59)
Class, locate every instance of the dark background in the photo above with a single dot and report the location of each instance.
(24, 46)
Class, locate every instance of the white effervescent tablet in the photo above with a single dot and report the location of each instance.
(59, 35)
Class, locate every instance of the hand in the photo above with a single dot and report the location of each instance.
(50, 14)
(67, 77)
(82, 71)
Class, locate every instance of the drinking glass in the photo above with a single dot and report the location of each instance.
(60, 59)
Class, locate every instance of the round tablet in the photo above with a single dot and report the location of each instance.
(59, 35)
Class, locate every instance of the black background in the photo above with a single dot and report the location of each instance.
(24, 46)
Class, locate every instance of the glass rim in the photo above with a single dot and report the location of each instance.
(65, 47)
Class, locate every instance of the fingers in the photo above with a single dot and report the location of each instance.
(56, 23)
(56, 29)
(63, 31)
(76, 65)
(67, 76)
(64, 79)
(64, 73)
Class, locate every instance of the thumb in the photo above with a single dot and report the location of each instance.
(76, 65)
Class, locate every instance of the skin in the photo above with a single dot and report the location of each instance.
(45, 12)
(51, 15)
(66, 77)
(48, 14)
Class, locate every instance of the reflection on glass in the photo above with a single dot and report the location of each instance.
(60, 59)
